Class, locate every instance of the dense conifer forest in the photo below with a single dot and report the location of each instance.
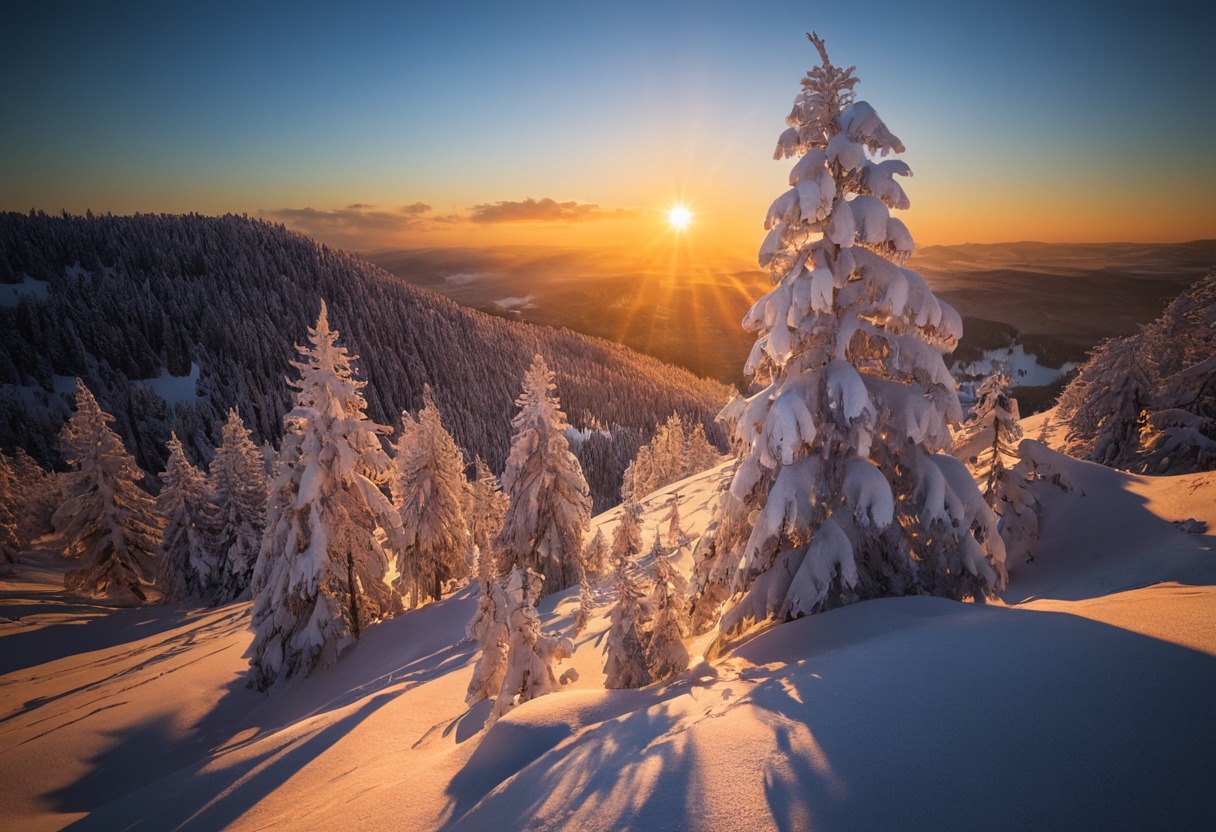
(124, 301)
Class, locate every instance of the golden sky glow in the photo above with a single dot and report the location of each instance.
(576, 125)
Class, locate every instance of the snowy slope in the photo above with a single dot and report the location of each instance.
(1084, 699)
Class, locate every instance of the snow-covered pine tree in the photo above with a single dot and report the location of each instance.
(488, 630)
(852, 400)
(666, 654)
(187, 567)
(628, 637)
(531, 653)
(485, 508)
(238, 489)
(671, 445)
(990, 437)
(429, 490)
(585, 604)
(676, 536)
(320, 576)
(639, 474)
(699, 454)
(39, 493)
(9, 542)
(595, 555)
(550, 508)
(106, 520)
(627, 537)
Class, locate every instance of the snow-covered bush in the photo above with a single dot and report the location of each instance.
(429, 489)
(238, 489)
(320, 576)
(842, 493)
(1019, 494)
(106, 519)
(550, 506)
(187, 562)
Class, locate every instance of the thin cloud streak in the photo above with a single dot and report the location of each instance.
(545, 210)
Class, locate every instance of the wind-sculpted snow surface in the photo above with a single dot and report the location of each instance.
(1095, 709)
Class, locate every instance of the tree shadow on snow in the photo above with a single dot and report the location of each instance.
(627, 762)
(1025, 719)
(240, 753)
(80, 625)
(936, 715)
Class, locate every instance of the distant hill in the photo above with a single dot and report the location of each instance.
(1075, 292)
(1055, 299)
(173, 319)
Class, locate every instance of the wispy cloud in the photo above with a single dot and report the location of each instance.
(367, 226)
(544, 210)
(353, 219)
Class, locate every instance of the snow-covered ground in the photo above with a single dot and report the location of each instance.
(12, 293)
(1084, 699)
(1024, 368)
(174, 389)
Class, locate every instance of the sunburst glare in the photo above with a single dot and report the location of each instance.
(679, 217)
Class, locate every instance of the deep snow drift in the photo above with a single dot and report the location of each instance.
(1085, 699)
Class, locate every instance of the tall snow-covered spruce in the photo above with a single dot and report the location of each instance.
(106, 519)
(238, 488)
(626, 664)
(550, 506)
(842, 494)
(188, 565)
(429, 489)
(320, 576)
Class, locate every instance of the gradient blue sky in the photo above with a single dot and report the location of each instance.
(1050, 121)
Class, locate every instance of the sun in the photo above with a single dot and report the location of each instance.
(679, 217)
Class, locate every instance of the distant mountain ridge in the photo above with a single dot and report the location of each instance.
(124, 300)
(1058, 299)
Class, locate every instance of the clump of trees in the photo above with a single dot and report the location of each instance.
(671, 455)
(1147, 402)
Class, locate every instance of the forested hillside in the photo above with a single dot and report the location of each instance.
(129, 303)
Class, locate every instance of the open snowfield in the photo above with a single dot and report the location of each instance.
(1084, 700)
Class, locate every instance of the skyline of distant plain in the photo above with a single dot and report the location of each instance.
(391, 125)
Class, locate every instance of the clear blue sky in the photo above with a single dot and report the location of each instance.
(1060, 120)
